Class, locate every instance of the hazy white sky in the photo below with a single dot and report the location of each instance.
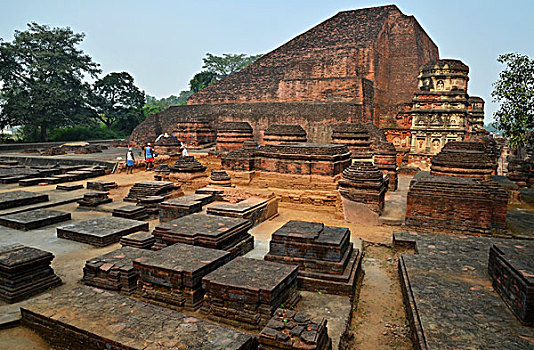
(162, 43)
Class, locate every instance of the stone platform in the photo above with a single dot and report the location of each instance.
(456, 204)
(33, 219)
(20, 198)
(142, 240)
(254, 209)
(24, 272)
(150, 188)
(101, 231)
(91, 319)
(132, 212)
(208, 231)
(182, 206)
(325, 256)
(448, 295)
(511, 267)
(246, 292)
(115, 270)
(172, 277)
(292, 330)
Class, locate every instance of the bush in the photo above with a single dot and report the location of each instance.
(83, 133)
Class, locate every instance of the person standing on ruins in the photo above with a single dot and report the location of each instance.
(149, 157)
(130, 161)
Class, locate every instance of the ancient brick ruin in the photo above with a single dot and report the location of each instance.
(366, 77)
(458, 194)
(362, 182)
(356, 137)
(282, 133)
(325, 256)
(231, 135)
(511, 267)
(247, 292)
(173, 276)
(24, 272)
(33, 219)
(292, 330)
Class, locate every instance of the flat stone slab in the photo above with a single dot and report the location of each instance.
(101, 231)
(33, 219)
(104, 320)
(208, 231)
(20, 198)
(449, 299)
(173, 276)
(143, 240)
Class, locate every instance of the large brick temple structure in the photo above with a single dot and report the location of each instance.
(358, 66)
(373, 65)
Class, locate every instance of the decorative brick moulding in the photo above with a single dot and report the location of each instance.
(283, 133)
(231, 135)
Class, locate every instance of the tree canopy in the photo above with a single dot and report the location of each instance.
(201, 80)
(116, 98)
(224, 65)
(514, 91)
(41, 75)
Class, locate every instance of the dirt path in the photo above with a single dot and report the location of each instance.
(379, 321)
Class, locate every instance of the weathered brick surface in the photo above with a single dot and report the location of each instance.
(362, 182)
(326, 258)
(24, 272)
(246, 292)
(231, 135)
(511, 268)
(92, 319)
(283, 133)
(173, 276)
(292, 330)
(33, 219)
(361, 65)
(456, 204)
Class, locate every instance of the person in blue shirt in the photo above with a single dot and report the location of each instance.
(149, 157)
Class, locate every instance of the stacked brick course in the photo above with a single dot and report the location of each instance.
(363, 183)
(325, 256)
(458, 194)
(283, 133)
(231, 135)
(356, 137)
(247, 292)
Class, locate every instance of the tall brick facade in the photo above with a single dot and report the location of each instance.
(358, 66)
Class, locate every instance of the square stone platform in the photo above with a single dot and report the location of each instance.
(24, 272)
(182, 206)
(142, 240)
(92, 319)
(20, 198)
(210, 231)
(101, 231)
(326, 258)
(33, 219)
(246, 292)
(448, 294)
(511, 267)
(115, 270)
(173, 276)
(254, 209)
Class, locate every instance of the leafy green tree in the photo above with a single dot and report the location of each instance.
(224, 65)
(116, 99)
(515, 92)
(202, 80)
(41, 79)
(153, 105)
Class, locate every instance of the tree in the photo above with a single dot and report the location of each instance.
(116, 98)
(41, 78)
(224, 65)
(515, 92)
(202, 80)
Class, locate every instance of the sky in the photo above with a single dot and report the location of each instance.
(162, 43)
